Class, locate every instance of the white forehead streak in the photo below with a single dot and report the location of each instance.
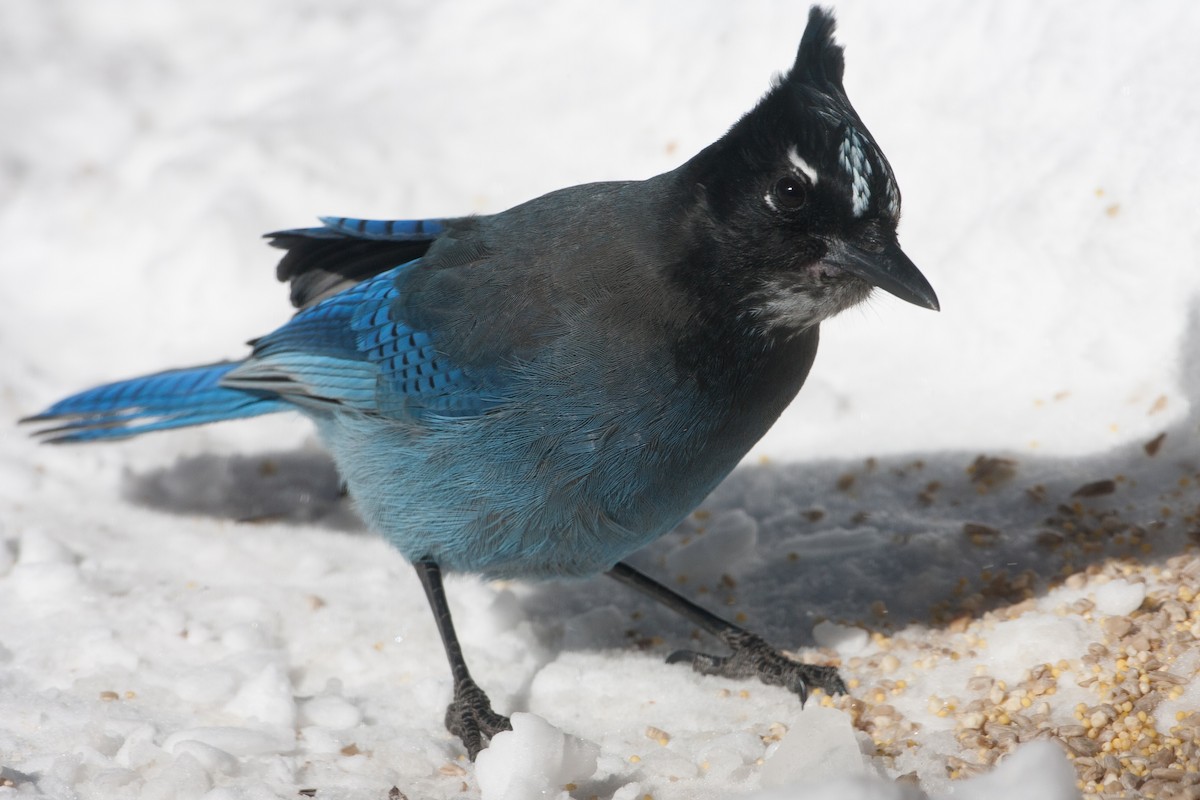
(852, 157)
(802, 165)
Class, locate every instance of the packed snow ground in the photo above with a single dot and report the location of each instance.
(201, 614)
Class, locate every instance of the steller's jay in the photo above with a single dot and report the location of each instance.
(540, 392)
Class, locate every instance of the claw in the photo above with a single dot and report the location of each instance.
(470, 717)
(752, 657)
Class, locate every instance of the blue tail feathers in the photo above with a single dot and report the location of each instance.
(173, 399)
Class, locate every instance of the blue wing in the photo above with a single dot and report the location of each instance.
(342, 349)
(350, 350)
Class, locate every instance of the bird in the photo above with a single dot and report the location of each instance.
(541, 392)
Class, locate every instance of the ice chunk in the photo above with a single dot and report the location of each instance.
(1033, 638)
(1037, 771)
(819, 746)
(266, 697)
(534, 759)
(1118, 598)
(214, 760)
(46, 582)
(331, 712)
(235, 741)
(207, 685)
(848, 640)
(40, 548)
(724, 755)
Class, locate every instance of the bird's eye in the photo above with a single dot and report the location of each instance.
(790, 192)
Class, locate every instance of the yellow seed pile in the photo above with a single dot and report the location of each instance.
(1117, 744)
(1132, 736)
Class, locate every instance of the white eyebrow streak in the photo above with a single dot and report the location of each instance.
(802, 165)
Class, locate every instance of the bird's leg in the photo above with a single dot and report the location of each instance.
(752, 657)
(469, 716)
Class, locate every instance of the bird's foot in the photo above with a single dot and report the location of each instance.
(752, 657)
(471, 718)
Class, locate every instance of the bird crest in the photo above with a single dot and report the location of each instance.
(820, 59)
(816, 76)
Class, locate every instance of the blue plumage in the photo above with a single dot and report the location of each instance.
(543, 391)
(396, 229)
(173, 399)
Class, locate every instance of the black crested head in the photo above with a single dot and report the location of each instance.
(820, 59)
(800, 202)
(813, 91)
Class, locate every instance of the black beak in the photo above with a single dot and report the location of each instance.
(888, 268)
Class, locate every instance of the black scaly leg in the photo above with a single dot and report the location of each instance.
(469, 716)
(752, 657)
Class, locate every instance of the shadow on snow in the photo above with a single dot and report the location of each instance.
(881, 543)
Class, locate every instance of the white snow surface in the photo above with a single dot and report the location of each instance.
(199, 614)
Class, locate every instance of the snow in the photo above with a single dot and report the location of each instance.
(201, 614)
(534, 759)
(824, 747)
(1119, 598)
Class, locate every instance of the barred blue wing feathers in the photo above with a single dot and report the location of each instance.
(416, 377)
(350, 350)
